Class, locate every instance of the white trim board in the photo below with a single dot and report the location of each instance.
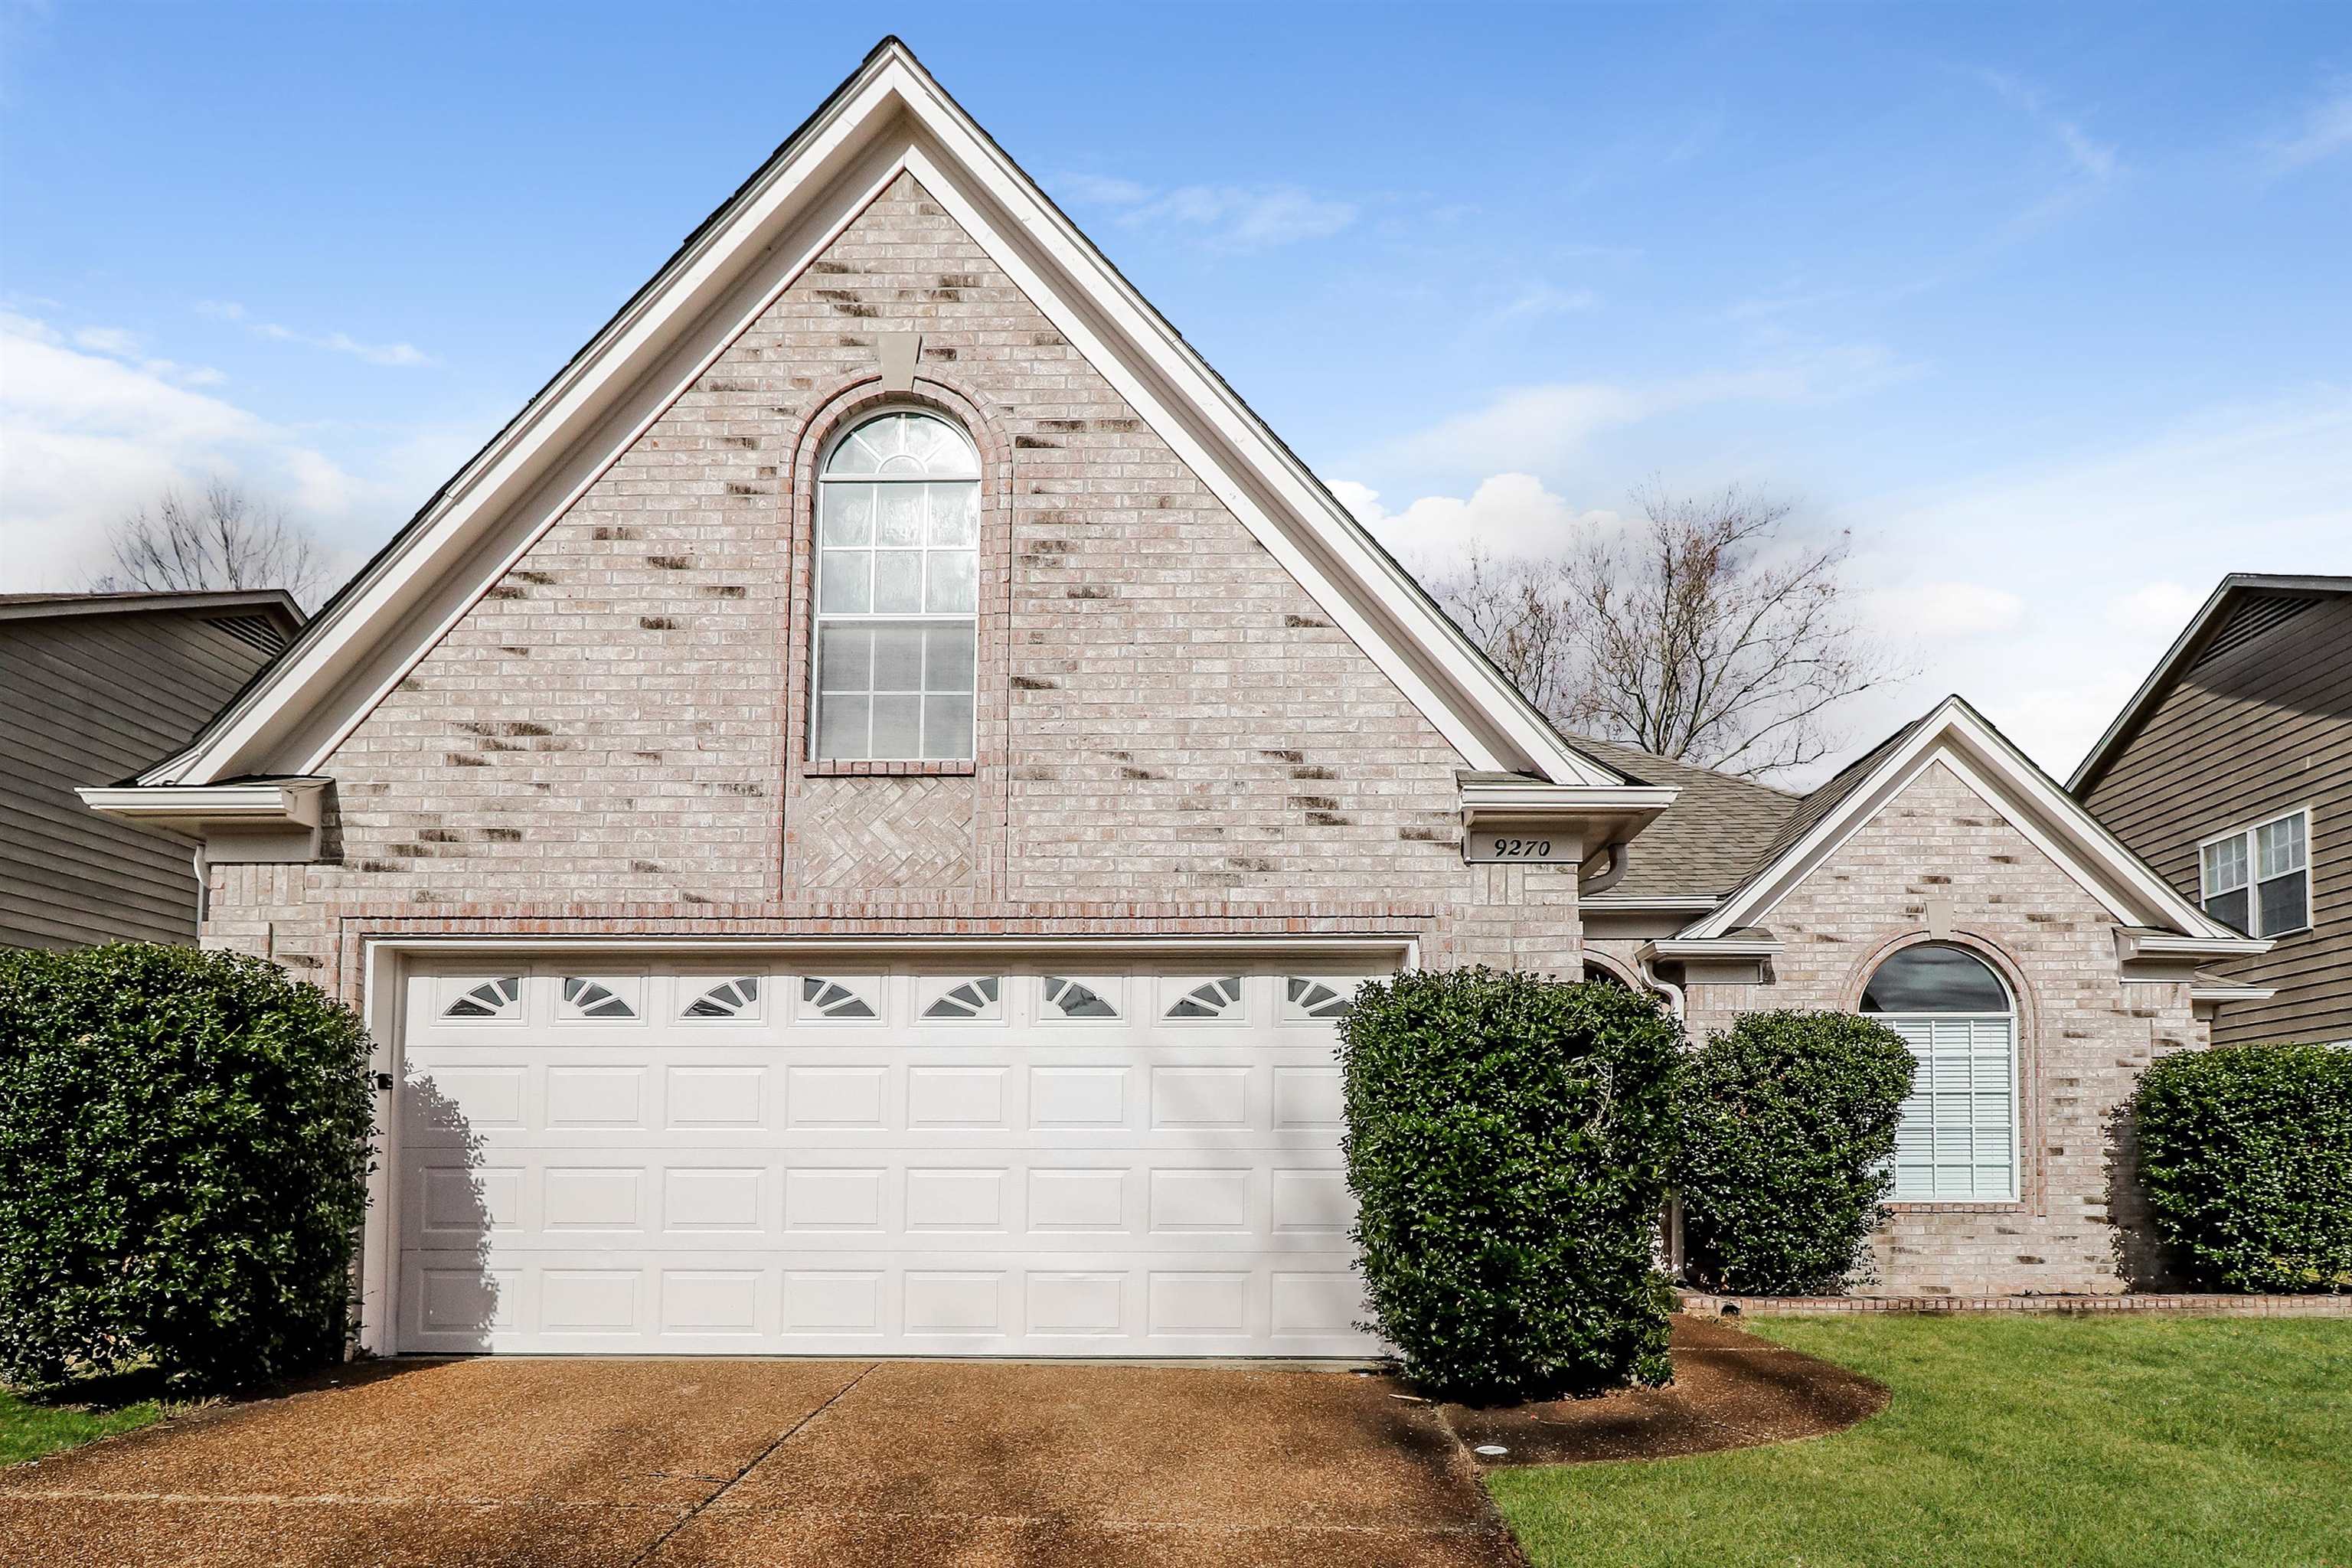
(1982, 758)
(889, 117)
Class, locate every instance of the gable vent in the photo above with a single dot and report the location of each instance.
(254, 631)
(2250, 621)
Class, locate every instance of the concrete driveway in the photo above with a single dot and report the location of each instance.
(671, 1463)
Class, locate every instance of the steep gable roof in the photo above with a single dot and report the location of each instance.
(1957, 736)
(888, 118)
(1708, 839)
(2229, 613)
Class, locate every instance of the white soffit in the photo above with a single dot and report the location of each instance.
(1955, 735)
(889, 116)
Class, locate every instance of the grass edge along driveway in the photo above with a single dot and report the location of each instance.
(30, 1428)
(2125, 1441)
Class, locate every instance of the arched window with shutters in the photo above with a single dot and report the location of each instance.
(898, 573)
(1958, 1140)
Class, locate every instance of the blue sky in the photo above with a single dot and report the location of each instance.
(2047, 305)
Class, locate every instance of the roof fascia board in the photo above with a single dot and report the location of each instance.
(264, 599)
(562, 486)
(1682, 949)
(1232, 453)
(1414, 624)
(2052, 820)
(1430, 660)
(507, 474)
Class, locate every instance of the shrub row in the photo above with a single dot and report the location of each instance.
(1510, 1141)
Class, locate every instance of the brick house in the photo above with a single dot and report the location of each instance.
(852, 819)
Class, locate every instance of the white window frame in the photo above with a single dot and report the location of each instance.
(819, 619)
(2013, 1192)
(2251, 834)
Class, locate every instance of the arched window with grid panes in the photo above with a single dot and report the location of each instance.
(897, 576)
(1957, 1138)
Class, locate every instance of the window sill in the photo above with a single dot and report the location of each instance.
(865, 770)
(1958, 1205)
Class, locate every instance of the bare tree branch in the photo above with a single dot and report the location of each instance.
(1704, 633)
(224, 539)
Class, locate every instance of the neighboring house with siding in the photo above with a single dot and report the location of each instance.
(94, 686)
(2230, 771)
(853, 820)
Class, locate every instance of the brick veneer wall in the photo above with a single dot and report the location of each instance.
(2084, 1035)
(613, 728)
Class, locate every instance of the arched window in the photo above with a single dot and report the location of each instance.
(898, 579)
(1957, 1139)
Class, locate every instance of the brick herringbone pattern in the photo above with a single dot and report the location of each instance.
(864, 834)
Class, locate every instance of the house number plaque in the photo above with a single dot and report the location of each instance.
(1487, 847)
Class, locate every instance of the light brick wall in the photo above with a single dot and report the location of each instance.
(615, 726)
(2085, 1036)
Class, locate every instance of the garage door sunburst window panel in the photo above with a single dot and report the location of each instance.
(833, 999)
(897, 585)
(1066, 998)
(737, 999)
(499, 998)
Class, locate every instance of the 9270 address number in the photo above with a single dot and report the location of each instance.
(1497, 848)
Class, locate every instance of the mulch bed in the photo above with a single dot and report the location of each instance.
(1731, 1390)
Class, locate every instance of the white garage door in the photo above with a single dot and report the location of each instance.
(1050, 1161)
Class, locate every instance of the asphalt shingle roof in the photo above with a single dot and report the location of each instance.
(1709, 840)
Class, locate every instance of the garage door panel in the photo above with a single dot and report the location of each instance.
(1016, 1184)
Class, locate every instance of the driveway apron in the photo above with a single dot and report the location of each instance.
(617, 1464)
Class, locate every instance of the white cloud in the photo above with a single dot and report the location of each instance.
(1544, 427)
(1511, 513)
(120, 341)
(1102, 190)
(2325, 131)
(2250, 487)
(1225, 217)
(1543, 300)
(2096, 160)
(2154, 608)
(1947, 611)
(85, 437)
(400, 354)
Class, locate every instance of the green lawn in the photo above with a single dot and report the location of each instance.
(30, 1428)
(2135, 1442)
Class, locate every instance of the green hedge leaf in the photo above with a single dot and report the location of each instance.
(184, 1159)
(1788, 1150)
(2246, 1154)
(1508, 1140)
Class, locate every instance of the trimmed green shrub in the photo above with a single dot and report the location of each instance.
(1787, 1150)
(183, 1156)
(2246, 1151)
(1506, 1143)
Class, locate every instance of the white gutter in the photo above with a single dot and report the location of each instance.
(2137, 942)
(271, 820)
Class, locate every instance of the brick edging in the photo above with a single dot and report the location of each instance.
(2181, 1304)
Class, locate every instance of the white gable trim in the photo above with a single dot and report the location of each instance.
(1957, 736)
(889, 117)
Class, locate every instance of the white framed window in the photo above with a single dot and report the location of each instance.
(2258, 879)
(1957, 1138)
(898, 593)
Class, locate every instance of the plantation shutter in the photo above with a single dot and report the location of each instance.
(1957, 1138)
